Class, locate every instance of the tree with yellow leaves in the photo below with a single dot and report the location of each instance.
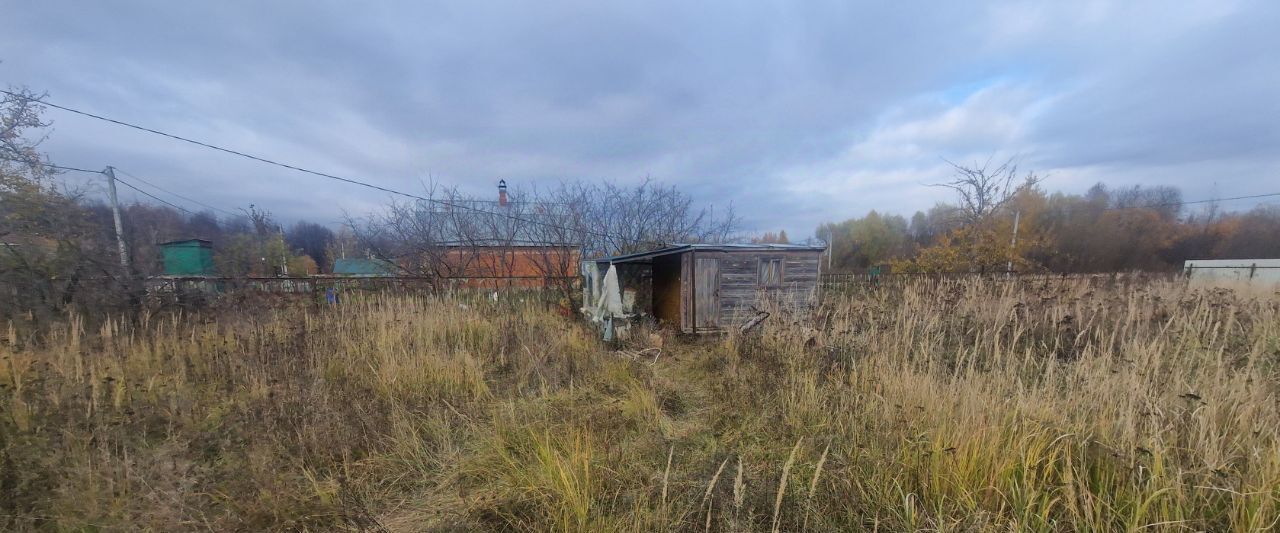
(991, 203)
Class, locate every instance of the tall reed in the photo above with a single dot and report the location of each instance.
(958, 405)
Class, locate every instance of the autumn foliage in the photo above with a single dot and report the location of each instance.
(1104, 230)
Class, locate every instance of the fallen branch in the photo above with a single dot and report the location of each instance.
(635, 355)
(754, 322)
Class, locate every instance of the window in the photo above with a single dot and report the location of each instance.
(770, 272)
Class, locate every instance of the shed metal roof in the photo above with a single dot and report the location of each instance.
(201, 242)
(723, 247)
(359, 266)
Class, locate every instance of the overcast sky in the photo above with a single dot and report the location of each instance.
(796, 112)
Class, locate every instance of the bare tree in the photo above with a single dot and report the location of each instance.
(449, 237)
(611, 219)
(49, 245)
(20, 115)
(1164, 200)
(263, 223)
(414, 236)
(983, 190)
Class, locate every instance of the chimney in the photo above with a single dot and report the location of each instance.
(502, 193)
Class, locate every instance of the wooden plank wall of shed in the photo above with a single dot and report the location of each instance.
(799, 281)
(738, 286)
(800, 276)
(706, 292)
(740, 289)
(686, 292)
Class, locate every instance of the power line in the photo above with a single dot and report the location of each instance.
(131, 186)
(154, 197)
(1072, 209)
(50, 165)
(435, 200)
(162, 189)
(300, 169)
(1176, 204)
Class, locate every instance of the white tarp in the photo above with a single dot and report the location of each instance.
(607, 309)
(608, 303)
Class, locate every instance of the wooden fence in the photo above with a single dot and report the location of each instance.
(837, 283)
(160, 285)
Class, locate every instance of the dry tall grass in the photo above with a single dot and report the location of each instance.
(952, 406)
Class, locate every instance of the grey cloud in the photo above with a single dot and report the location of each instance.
(796, 112)
(1208, 95)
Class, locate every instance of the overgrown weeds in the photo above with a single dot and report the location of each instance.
(961, 405)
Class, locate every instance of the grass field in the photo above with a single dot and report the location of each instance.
(952, 406)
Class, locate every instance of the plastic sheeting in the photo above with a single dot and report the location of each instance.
(608, 305)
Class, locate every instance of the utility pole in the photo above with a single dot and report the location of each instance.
(115, 214)
(1013, 243)
(831, 247)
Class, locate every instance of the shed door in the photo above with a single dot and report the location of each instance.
(707, 292)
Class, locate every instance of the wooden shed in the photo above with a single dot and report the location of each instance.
(707, 288)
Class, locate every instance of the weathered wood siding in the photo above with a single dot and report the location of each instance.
(707, 292)
(686, 292)
(738, 288)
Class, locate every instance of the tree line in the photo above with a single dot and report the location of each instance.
(1105, 229)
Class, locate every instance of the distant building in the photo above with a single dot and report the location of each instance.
(188, 258)
(506, 266)
(507, 243)
(364, 268)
